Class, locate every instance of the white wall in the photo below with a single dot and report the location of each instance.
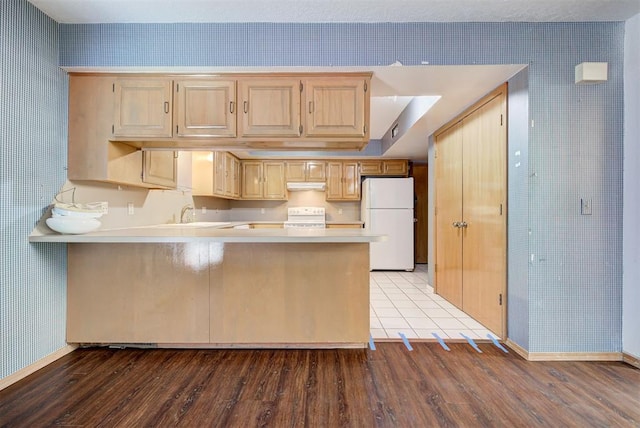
(631, 240)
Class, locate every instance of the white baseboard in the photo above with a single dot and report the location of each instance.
(26, 371)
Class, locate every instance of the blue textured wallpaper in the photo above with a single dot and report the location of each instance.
(33, 157)
(574, 150)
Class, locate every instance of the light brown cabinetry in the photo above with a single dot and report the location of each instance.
(215, 173)
(343, 181)
(263, 180)
(269, 111)
(336, 107)
(186, 294)
(160, 167)
(470, 220)
(306, 171)
(91, 156)
(231, 176)
(142, 107)
(382, 167)
(270, 107)
(205, 108)
(137, 293)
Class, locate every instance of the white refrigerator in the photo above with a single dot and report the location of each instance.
(387, 208)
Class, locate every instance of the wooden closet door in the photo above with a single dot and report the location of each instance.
(448, 273)
(484, 209)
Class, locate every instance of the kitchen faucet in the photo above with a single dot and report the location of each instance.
(186, 208)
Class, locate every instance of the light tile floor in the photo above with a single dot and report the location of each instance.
(404, 302)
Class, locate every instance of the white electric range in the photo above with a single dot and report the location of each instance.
(305, 217)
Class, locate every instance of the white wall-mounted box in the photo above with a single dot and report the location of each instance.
(591, 72)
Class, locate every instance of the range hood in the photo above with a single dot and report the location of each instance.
(306, 185)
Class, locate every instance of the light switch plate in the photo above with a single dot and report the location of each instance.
(585, 208)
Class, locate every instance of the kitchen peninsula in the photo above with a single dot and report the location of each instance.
(180, 286)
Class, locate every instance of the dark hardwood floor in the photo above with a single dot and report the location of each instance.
(388, 387)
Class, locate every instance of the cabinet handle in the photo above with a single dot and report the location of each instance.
(310, 106)
(464, 225)
(245, 106)
(166, 106)
(230, 106)
(456, 224)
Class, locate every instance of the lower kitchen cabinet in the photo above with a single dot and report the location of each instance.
(116, 297)
(198, 294)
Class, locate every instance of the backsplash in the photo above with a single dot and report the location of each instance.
(164, 206)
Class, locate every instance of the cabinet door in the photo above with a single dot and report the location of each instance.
(335, 107)
(236, 177)
(274, 187)
(296, 170)
(270, 107)
(334, 180)
(395, 167)
(252, 180)
(206, 108)
(228, 174)
(316, 171)
(160, 167)
(142, 107)
(371, 167)
(350, 181)
(219, 162)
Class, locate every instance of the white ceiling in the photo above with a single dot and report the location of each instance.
(392, 85)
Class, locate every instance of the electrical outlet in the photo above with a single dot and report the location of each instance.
(203, 210)
(130, 209)
(586, 206)
(340, 211)
(261, 210)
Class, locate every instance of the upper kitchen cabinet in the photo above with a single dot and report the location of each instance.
(343, 181)
(306, 171)
(231, 176)
(382, 167)
(160, 167)
(337, 107)
(142, 107)
(91, 156)
(215, 173)
(263, 180)
(205, 108)
(270, 107)
(304, 111)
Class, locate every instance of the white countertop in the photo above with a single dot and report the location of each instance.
(177, 233)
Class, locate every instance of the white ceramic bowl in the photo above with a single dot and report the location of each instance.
(59, 212)
(73, 225)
